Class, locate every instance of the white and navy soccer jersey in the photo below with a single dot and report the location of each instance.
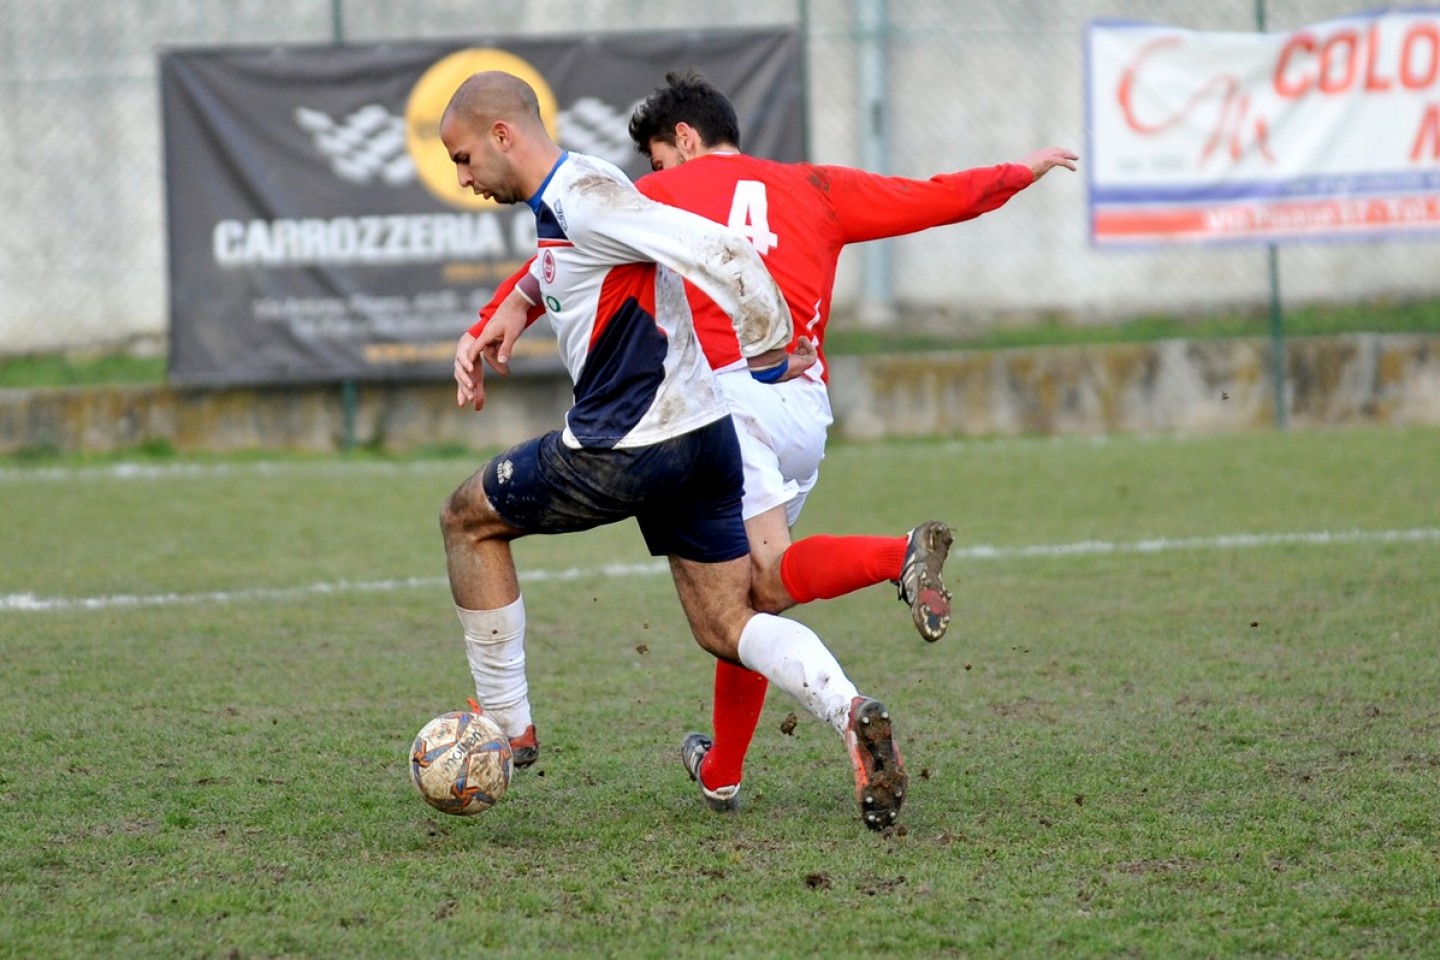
(623, 325)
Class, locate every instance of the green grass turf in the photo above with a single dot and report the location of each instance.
(58, 370)
(1190, 750)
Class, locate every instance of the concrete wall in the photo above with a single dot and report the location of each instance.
(82, 253)
(1166, 386)
(1172, 385)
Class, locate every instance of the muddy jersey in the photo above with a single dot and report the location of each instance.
(622, 323)
(799, 216)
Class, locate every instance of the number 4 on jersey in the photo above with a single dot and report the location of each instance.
(749, 215)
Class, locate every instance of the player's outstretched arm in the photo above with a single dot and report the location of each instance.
(1046, 159)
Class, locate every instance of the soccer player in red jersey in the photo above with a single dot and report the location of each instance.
(799, 217)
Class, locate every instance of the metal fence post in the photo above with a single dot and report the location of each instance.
(877, 299)
(1277, 310)
(349, 392)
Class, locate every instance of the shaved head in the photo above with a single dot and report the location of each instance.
(494, 95)
(495, 135)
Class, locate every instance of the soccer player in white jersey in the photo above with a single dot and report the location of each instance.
(649, 435)
(799, 217)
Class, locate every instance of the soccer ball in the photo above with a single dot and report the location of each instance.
(460, 763)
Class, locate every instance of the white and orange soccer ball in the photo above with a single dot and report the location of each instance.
(460, 762)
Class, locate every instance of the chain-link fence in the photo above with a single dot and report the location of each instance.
(965, 83)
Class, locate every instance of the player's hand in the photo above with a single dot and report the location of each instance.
(497, 340)
(802, 358)
(469, 379)
(495, 344)
(768, 364)
(1048, 158)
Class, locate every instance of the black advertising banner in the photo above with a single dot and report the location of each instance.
(316, 229)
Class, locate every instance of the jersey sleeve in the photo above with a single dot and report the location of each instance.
(654, 188)
(869, 206)
(529, 289)
(630, 226)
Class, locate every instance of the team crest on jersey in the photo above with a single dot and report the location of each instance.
(504, 470)
(547, 266)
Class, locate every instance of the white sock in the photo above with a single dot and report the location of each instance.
(495, 647)
(791, 656)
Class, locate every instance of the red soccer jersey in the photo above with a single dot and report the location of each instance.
(800, 215)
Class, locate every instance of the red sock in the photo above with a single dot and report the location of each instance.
(823, 567)
(739, 698)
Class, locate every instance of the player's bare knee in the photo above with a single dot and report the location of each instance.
(451, 514)
(466, 509)
(720, 639)
(764, 600)
(717, 628)
(767, 592)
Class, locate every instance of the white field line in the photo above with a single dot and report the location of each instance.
(460, 466)
(1232, 541)
(1237, 541)
(202, 471)
(28, 601)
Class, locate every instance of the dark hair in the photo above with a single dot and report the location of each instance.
(687, 97)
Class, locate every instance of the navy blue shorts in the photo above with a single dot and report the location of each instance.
(684, 492)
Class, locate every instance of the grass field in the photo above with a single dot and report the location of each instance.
(1190, 707)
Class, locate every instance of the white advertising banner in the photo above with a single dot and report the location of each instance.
(1331, 131)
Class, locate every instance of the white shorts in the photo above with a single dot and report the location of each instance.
(782, 429)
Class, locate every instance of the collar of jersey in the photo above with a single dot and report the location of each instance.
(534, 201)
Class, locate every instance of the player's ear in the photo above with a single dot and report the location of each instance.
(687, 140)
(502, 135)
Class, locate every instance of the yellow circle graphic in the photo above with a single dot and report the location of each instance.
(432, 92)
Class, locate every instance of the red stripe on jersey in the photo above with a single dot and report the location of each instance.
(630, 281)
(536, 311)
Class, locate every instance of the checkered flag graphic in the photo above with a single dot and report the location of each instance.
(367, 145)
(592, 126)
